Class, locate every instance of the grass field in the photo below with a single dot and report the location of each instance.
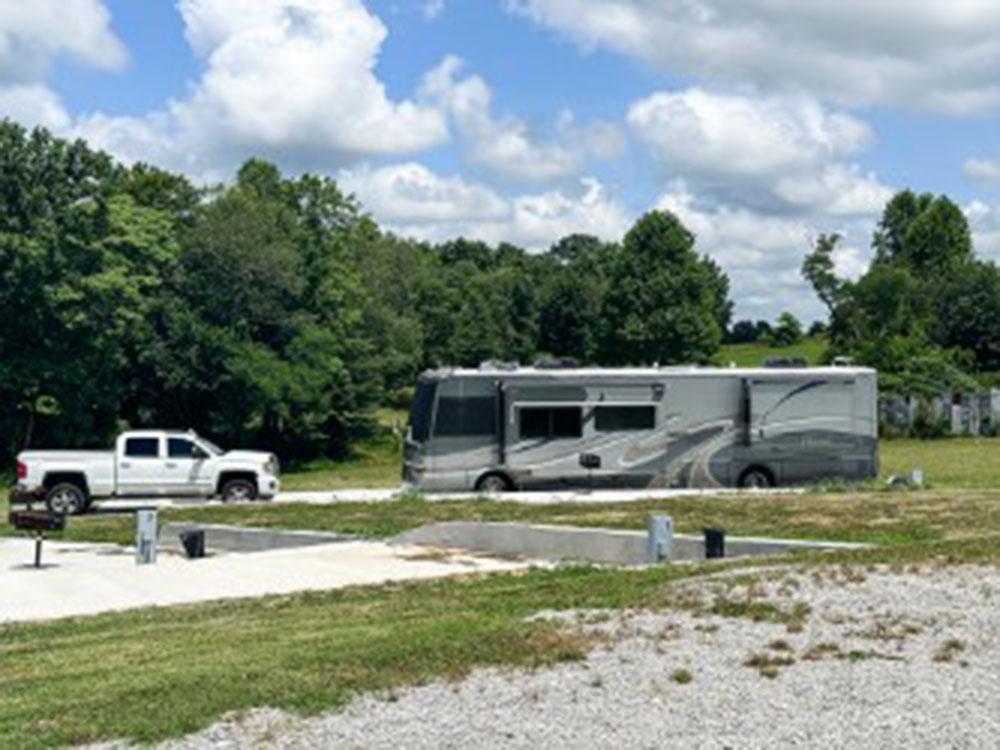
(754, 355)
(158, 673)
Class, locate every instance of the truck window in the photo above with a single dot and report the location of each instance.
(624, 418)
(466, 416)
(142, 447)
(180, 448)
(551, 422)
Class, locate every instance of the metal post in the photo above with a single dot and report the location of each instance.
(145, 537)
(660, 540)
(39, 538)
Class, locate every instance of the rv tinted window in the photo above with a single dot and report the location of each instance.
(142, 447)
(468, 416)
(551, 422)
(420, 411)
(624, 418)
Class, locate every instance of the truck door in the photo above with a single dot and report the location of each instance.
(140, 465)
(186, 470)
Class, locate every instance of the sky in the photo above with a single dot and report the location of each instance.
(760, 123)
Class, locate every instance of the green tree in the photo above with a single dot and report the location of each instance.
(787, 332)
(662, 304)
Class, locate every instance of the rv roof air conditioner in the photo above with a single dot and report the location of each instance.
(559, 363)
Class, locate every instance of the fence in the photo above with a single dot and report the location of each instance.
(946, 414)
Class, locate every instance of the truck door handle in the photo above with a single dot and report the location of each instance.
(125, 464)
(171, 465)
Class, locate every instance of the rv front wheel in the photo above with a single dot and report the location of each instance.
(492, 483)
(756, 478)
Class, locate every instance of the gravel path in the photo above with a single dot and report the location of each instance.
(883, 659)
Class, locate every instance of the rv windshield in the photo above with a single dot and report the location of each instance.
(420, 412)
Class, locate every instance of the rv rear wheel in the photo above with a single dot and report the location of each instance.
(493, 483)
(756, 478)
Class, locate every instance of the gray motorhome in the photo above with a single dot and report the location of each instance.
(502, 428)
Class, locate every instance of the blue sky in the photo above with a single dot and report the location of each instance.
(760, 124)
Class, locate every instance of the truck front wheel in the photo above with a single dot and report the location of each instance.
(236, 490)
(65, 499)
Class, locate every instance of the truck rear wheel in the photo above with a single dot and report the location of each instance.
(236, 490)
(65, 499)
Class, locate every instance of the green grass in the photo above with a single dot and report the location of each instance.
(754, 355)
(959, 463)
(157, 673)
(889, 518)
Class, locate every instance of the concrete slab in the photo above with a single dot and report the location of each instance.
(223, 538)
(86, 579)
(591, 545)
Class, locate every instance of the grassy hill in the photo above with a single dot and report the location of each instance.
(753, 355)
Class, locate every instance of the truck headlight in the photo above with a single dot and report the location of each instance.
(272, 466)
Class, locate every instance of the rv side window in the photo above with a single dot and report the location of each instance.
(624, 418)
(466, 416)
(551, 422)
(420, 412)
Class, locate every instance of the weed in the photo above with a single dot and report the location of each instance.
(820, 651)
(768, 665)
(682, 676)
(949, 650)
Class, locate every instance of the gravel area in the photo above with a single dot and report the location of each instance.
(848, 657)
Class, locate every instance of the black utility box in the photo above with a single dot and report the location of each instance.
(194, 544)
(26, 520)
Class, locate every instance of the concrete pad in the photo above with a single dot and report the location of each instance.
(225, 538)
(614, 546)
(86, 579)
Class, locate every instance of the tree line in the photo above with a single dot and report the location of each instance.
(272, 311)
(926, 313)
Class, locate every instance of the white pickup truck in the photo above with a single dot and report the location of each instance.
(148, 464)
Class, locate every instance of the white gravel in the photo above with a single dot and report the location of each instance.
(897, 690)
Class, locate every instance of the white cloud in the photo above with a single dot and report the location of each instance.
(33, 104)
(33, 35)
(291, 80)
(983, 170)
(775, 152)
(942, 57)
(507, 146)
(763, 254)
(414, 201)
(984, 220)
(432, 9)
(411, 195)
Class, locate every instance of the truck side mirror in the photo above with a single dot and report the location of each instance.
(198, 454)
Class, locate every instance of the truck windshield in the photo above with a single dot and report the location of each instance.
(420, 411)
(212, 447)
